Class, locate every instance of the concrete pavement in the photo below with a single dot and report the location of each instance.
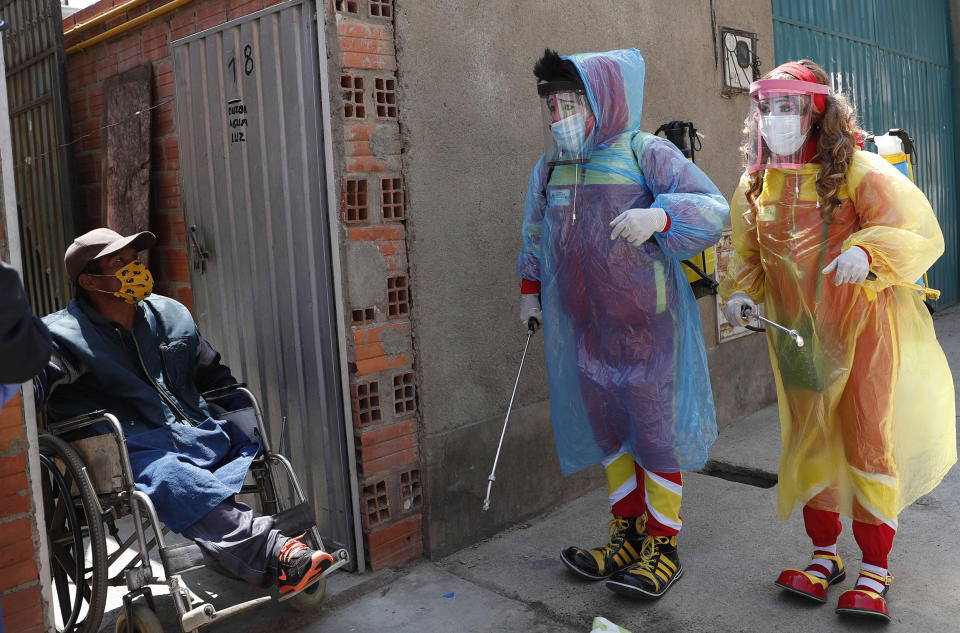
(732, 547)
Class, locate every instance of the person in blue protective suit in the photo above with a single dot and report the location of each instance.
(140, 356)
(610, 213)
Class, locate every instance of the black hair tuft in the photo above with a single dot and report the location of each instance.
(551, 67)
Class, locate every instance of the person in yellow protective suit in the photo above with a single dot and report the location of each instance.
(867, 404)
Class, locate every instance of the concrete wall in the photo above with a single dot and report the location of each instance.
(471, 133)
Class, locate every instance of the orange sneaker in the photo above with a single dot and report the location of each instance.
(299, 565)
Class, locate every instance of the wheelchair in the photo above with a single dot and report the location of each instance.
(88, 486)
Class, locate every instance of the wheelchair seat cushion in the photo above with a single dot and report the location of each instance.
(187, 471)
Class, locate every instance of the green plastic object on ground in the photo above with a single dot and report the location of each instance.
(603, 624)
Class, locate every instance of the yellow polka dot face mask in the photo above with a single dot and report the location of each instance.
(136, 283)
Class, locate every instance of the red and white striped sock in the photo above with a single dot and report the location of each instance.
(870, 580)
(819, 566)
(875, 541)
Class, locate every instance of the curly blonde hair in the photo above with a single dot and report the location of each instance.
(838, 135)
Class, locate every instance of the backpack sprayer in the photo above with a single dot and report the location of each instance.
(898, 148)
(702, 266)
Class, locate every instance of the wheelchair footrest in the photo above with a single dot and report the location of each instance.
(341, 557)
(184, 557)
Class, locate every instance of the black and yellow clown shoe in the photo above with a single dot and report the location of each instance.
(658, 568)
(626, 539)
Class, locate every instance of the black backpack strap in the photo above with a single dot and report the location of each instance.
(709, 284)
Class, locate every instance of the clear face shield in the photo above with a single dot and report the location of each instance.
(782, 116)
(568, 122)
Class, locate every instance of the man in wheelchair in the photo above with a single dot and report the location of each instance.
(141, 357)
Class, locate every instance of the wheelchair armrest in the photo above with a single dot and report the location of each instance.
(61, 427)
(84, 418)
(64, 427)
(221, 392)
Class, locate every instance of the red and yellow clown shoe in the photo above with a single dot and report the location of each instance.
(808, 585)
(866, 602)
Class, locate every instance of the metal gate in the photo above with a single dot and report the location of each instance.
(40, 131)
(893, 61)
(254, 190)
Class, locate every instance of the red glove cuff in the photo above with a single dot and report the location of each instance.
(528, 287)
(669, 222)
(869, 259)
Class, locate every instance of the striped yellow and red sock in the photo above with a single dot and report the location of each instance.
(634, 492)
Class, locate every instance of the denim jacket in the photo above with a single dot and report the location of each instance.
(149, 376)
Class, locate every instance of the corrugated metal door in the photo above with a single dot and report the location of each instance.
(253, 185)
(40, 131)
(893, 61)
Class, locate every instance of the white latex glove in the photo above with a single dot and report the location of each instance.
(852, 266)
(637, 225)
(732, 309)
(530, 309)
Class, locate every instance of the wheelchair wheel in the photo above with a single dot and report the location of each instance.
(144, 621)
(309, 598)
(78, 547)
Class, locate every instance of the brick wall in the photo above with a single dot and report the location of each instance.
(373, 213)
(20, 601)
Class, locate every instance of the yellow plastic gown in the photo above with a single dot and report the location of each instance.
(867, 405)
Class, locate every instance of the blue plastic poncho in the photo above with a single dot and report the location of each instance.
(625, 353)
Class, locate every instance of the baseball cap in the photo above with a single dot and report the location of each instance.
(100, 243)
